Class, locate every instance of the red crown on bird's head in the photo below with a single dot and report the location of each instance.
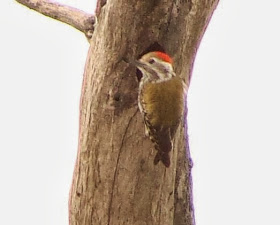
(164, 57)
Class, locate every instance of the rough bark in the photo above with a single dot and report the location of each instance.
(115, 180)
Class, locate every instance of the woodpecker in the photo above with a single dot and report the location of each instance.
(161, 101)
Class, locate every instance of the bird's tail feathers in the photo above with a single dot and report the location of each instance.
(163, 145)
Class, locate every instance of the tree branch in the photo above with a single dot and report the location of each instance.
(81, 20)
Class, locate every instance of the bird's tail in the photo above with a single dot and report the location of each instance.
(163, 145)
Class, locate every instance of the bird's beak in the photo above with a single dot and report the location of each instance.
(138, 64)
(135, 63)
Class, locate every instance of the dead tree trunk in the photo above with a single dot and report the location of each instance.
(115, 181)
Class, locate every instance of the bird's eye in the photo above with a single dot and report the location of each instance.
(151, 61)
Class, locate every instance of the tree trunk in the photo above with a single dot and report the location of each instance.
(115, 181)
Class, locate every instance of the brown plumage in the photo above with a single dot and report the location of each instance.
(161, 101)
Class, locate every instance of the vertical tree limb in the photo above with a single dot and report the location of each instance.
(115, 181)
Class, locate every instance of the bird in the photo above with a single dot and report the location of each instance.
(161, 100)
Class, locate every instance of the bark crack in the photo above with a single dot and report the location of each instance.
(160, 198)
(170, 16)
(99, 5)
(116, 167)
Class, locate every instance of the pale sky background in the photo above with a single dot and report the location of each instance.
(233, 115)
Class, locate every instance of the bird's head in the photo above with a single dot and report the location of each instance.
(155, 66)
